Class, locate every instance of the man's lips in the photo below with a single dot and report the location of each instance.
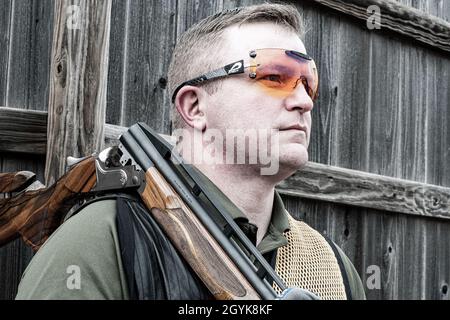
(294, 127)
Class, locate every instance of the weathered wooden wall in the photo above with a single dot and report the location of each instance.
(384, 108)
(25, 44)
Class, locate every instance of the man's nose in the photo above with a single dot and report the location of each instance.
(299, 99)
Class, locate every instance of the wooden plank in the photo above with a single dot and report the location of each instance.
(5, 22)
(380, 143)
(357, 188)
(190, 12)
(440, 285)
(118, 60)
(384, 130)
(150, 39)
(19, 55)
(398, 18)
(381, 231)
(30, 45)
(415, 260)
(413, 136)
(77, 101)
(339, 120)
(23, 131)
(438, 115)
(438, 8)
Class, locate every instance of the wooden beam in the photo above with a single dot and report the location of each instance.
(78, 76)
(357, 188)
(316, 181)
(399, 18)
(23, 131)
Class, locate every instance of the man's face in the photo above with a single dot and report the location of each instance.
(241, 103)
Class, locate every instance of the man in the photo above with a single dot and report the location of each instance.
(113, 249)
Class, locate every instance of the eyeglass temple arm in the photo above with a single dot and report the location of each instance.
(232, 68)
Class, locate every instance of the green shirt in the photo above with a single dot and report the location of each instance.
(89, 241)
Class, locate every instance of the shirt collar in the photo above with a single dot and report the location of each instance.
(279, 224)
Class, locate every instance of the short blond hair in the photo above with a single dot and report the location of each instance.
(193, 54)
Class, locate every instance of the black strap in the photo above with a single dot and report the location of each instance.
(94, 198)
(126, 235)
(153, 268)
(348, 291)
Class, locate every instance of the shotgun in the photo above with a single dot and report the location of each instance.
(219, 252)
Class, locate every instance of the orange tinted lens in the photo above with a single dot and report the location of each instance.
(279, 72)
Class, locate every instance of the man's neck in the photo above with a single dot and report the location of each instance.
(250, 192)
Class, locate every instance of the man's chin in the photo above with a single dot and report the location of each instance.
(293, 158)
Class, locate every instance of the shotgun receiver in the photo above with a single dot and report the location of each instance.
(220, 253)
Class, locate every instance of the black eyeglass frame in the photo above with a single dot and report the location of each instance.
(233, 68)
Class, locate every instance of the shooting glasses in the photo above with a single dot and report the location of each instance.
(277, 71)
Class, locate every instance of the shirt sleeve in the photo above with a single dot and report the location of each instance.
(81, 260)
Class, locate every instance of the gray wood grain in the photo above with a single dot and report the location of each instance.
(351, 187)
(23, 131)
(190, 12)
(5, 22)
(118, 60)
(437, 113)
(78, 85)
(30, 45)
(438, 8)
(396, 17)
(150, 41)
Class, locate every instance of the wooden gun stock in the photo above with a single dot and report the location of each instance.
(34, 215)
(13, 182)
(193, 241)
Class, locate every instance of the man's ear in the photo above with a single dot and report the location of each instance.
(190, 103)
